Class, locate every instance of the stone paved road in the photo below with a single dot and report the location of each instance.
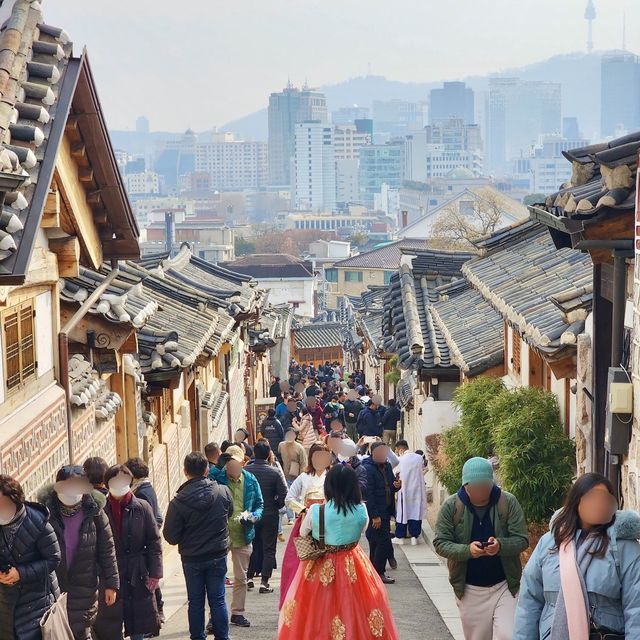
(415, 615)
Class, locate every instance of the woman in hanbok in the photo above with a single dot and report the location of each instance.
(349, 600)
(307, 489)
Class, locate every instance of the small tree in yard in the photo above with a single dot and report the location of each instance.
(537, 459)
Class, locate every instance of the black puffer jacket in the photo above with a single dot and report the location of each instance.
(34, 551)
(95, 555)
(197, 520)
(139, 553)
(272, 485)
(271, 429)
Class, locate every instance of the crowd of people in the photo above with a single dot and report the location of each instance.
(94, 536)
(325, 459)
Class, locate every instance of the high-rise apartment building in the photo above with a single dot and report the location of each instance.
(315, 167)
(620, 94)
(348, 139)
(518, 113)
(453, 100)
(286, 109)
(232, 165)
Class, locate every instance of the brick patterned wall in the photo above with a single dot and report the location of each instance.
(631, 466)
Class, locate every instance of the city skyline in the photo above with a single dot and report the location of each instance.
(244, 65)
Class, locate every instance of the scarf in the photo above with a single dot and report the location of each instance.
(571, 617)
(117, 508)
(68, 512)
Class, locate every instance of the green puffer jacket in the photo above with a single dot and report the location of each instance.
(453, 537)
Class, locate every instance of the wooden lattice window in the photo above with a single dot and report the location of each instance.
(19, 345)
(515, 351)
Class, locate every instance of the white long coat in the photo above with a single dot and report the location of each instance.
(412, 497)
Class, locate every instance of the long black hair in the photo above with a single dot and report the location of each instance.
(341, 485)
(567, 523)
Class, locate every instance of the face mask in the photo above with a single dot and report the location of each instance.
(119, 492)
(70, 499)
(6, 518)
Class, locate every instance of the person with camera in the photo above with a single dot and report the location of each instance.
(481, 530)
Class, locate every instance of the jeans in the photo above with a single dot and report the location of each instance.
(137, 636)
(207, 578)
(380, 547)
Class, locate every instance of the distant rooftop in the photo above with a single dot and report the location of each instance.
(386, 257)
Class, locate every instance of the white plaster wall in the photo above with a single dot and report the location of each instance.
(44, 333)
(291, 290)
(437, 416)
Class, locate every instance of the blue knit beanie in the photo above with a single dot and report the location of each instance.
(477, 470)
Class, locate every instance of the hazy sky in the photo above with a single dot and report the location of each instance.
(187, 63)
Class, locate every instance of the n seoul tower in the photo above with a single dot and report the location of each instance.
(590, 16)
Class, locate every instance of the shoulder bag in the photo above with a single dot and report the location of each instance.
(307, 547)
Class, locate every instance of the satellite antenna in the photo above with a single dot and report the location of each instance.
(590, 16)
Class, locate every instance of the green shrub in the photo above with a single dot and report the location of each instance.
(453, 453)
(537, 459)
(474, 401)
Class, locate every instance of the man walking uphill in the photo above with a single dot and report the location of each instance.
(274, 491)
(481, 530)
(197, 522)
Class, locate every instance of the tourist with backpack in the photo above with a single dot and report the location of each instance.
(481, 530)
(582, 579)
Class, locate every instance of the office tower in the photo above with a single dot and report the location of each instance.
(348, 115)
(518, 113)
(453, 100)
(380, 164)
(394, 118)
(315, 166)
(286, 110)
(620, 94)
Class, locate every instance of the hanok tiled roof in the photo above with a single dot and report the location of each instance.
(408, 328)
(386, 257)
(43, 87)
(603, 180)
(236, 293)
(472, 328)
(270, 265)
(520, 272)
(175, 323)
(33, 60)
(215, 399)
(319, 335)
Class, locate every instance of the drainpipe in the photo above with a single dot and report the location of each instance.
(620, 250)
(63, 347)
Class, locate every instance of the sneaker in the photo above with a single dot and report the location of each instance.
(265, 588)
(281, 537)
(250, 585)
(387, 579)
(397, 540)
(240, 621)
(228, 583)
(393, 563)
(414, 542)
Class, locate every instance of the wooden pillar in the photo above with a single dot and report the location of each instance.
(131, 412)
(118, 386)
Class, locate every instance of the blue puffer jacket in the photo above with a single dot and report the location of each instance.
(253, 502)
(612, 583)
